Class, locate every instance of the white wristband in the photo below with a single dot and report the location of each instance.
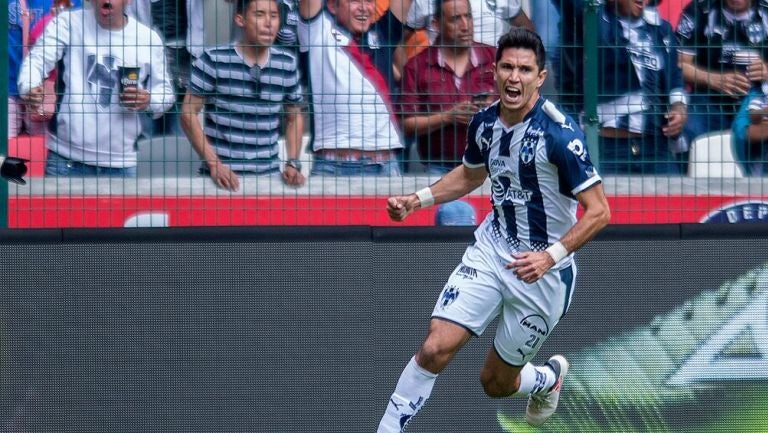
(557, 251)
(425, 197)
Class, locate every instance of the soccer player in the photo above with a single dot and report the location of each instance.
(521, 266)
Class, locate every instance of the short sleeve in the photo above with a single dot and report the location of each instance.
(419, 14)
(473, 157)
(686, 30)
(567, 150)
(506, 9)
(203, 77)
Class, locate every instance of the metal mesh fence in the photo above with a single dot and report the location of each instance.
(323, 126)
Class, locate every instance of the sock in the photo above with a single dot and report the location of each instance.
(536, 379)
(412, 391)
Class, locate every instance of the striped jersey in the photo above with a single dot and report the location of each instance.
(536, 168)
(244, 104)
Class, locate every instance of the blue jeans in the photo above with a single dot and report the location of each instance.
(355, 168)
(57, 165)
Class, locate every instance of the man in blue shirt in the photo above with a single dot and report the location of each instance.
(724, 47)
(642, 102)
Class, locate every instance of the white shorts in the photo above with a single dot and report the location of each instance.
(481, 288)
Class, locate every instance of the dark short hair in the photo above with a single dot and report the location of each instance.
(242, 5)
(519, 37)
(438, 4)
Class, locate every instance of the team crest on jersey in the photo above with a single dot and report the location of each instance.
(755, 32)
(102, 79)
(528, 148)
(685, 27)
(450, 293)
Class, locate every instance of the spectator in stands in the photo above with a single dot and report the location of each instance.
(642, 102)
(246, 87)
(750, 133)
(444, 86)
(724, 46)
(355, 128)
(96, 127)
(491, 21)
(442, 89)
(24, 16)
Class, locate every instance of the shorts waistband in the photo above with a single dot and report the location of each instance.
(356, 155)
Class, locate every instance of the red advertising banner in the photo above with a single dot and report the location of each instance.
(179, 211)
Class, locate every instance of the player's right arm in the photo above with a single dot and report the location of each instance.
(455, 184)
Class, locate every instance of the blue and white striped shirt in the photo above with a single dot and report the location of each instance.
(244, 105)
(537, 168)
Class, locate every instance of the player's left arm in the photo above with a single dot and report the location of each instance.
(532, 265)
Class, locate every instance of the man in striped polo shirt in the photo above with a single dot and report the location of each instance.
(246, 88)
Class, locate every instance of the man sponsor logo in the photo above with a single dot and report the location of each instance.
(467, 272)
(567, 126)
(450, 293)
(535, 324)
(751, 211)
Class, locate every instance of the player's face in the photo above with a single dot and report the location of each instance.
(629, 8)
(455, 26)
(110, 14)
(738, 6)
(518, 79)
(260, 23)
(354, 15)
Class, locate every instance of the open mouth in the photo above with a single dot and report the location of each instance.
(513, 94)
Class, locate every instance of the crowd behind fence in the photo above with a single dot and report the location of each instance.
(225, 112)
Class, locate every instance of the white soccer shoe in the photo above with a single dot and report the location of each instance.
(541, 406)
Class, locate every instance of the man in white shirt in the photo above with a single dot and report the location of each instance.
(96, 126)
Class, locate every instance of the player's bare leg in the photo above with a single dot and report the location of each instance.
(540, 383)
(414, 387)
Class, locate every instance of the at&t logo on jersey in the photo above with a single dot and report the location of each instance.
(450, 293)
(510, 195)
